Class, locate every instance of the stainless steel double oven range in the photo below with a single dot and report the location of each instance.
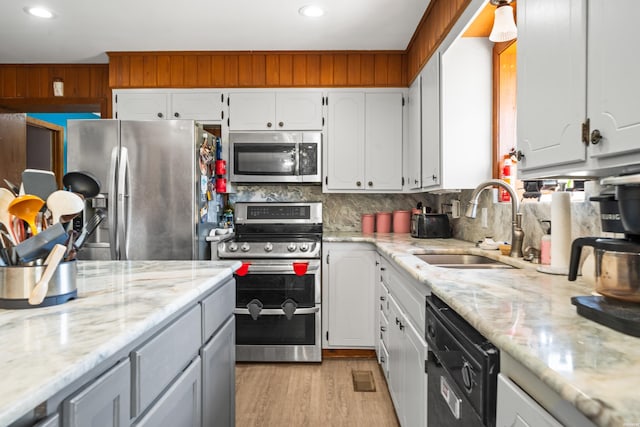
(278, 286)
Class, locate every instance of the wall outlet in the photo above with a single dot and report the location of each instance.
(484, 218)
(455, 209)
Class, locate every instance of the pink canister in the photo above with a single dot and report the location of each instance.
(368, 222)
(401, 221)
(383, 222)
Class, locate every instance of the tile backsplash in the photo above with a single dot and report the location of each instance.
(342, 212)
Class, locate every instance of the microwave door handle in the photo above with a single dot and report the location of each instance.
(277, 311)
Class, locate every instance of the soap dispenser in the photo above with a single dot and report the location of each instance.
(545, 243)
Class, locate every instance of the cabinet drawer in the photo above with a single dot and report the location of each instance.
(216, 308)
(52, 421)
(161, 359)
(384, 360)
(384, 299)
(515, 407)
(106, 401)
(180, 405)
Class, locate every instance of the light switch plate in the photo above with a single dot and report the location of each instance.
(483, 218)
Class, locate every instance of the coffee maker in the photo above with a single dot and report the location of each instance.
(617, 260)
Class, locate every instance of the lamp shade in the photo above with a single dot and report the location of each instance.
(504, 26)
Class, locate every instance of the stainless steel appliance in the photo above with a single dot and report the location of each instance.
(276, 157)
(430, 226)
(278, 303)
(463, 368)
(153, 189)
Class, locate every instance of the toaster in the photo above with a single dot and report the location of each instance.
(430, 226)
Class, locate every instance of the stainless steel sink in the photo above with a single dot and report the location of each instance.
(462, 261)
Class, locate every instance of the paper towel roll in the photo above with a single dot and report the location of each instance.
(560, 232)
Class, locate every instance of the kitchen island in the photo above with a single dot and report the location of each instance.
(529, 317)
(47, 352)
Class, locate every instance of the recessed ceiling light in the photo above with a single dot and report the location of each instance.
(40, 12)
(311, 11)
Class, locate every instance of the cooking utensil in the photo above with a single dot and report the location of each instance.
(37, 247)
(89, 227)
(40, 290)
(70, 252)
(64, 204)
(83, 183)
(6, 197)
(7, 245)
(38, 182)
(14, 188)
(26, 208)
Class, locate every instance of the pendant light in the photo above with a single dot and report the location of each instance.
(504, 26)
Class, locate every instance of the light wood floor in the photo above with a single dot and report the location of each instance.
(310, 394)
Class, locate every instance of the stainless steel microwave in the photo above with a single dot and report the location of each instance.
(275, 157)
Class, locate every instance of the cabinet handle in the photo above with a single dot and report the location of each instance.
(370, 184)
(434, 177)
(415, 181)
(383, 269)
(383, 298)
(160, 115)
(596, 137)
(280, 124)
(382, 359)
(397, 321)
(383, 328)
(358, 183)
(401, 326)
(519, 155)
(176, 114)
(269, 124)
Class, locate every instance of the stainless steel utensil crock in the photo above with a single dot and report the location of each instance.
(17, 282)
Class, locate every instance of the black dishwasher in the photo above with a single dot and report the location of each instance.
(462, 370)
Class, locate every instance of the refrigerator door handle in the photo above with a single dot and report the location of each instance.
(123, 204)
(112, 204)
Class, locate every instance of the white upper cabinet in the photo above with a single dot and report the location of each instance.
(551, 82)
(413, 141)
(431, 122)
(613, 92)
(269, 110)
(363, 151)
(383, 141)
(578, 92)
(159, 104)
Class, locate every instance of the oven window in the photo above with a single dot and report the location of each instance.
(273, 289)
(276, 330)
(261, 159)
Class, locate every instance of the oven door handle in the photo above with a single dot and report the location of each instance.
(277, 311)
(284, 268)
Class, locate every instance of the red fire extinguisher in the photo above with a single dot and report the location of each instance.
(505, 174)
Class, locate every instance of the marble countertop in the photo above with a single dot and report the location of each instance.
(46, 349)
(529, 315)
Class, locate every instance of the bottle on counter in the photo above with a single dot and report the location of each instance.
(545, 243)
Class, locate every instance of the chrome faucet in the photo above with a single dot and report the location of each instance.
(517, 235)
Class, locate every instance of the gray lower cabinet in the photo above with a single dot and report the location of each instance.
(179, 406)
(218, 378)
(104, 402)
(516, 409)
(52, 421)
(157, 363)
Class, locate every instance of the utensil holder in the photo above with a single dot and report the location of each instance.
(17, 282)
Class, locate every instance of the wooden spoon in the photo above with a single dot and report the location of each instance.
(42, 287)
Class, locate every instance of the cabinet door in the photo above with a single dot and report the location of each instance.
(196, 106)
(299, 110)
(396, 360)
(52, 421)
(179, 406)
(613, 88)
(413, 140)
(351, 298)
(218, 377)
(141, 106)
(516, 409)
(551, 84)
(415, 384)
(105, 402)
(252, 111)
(383, 141)
(431, 122)
(345, 142)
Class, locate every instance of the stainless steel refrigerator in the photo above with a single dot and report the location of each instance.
(153, 187)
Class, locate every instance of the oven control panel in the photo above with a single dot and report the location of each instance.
(269, 249)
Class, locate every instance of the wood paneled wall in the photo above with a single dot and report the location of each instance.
(256, 69)
(434, 26)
